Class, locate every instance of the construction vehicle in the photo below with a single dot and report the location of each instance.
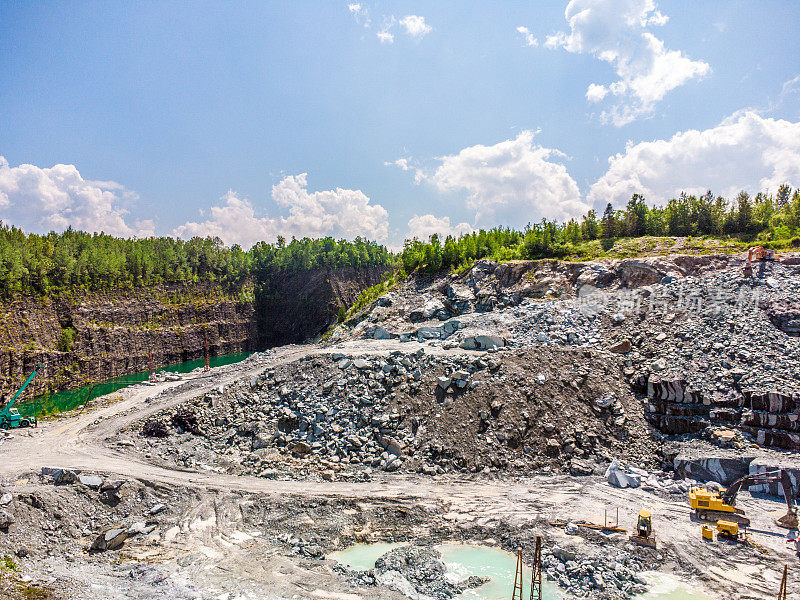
(9, 416)
(707, 532)
(714, 506)
(757, 253)
(644, 530)
(730, 531)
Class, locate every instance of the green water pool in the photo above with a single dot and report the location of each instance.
(499, 566)
(68, 399)
(362, 557)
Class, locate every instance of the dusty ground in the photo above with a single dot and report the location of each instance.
(232, 536)
(422, 440)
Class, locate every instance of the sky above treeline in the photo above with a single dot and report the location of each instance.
(387, 120)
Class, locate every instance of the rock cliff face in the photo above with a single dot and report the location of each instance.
(96, 336)
(300, 306)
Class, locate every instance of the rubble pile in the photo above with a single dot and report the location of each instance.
(694, 326)
(340, 416)
(609, 573)
(419, 571)
(71, 512)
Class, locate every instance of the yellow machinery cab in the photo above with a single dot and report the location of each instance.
(701, 499)
(708, 532)
(644, 527)
(728, 529)
(644, 530)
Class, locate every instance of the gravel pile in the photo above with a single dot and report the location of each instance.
(692, 321)
(346, 417)
(609, 573)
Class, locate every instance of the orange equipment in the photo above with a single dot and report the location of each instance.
(757, 253)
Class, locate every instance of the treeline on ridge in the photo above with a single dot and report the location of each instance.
(41, 265)
(765, 218)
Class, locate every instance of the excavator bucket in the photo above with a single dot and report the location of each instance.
(789, 520)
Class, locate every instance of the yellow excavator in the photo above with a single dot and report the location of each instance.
(715, 506)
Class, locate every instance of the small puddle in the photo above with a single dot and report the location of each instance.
(362, 557)
(499, 566)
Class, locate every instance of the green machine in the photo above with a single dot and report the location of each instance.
(9, 416)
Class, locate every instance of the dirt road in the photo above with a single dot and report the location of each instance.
(79, 442)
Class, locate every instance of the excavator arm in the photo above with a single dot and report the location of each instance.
(13, 400)
(790, 519)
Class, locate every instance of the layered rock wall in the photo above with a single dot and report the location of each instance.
(96, 336)
(771, 418)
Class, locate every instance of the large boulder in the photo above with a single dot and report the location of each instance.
(579, 466)
(712, 468)
(482, 341)
(65, 477)
(91, 481)
(622, 479)
(432, 309)
(391, 445)
(381, 334)
(110, 539)
(429, 333)
(299, 448)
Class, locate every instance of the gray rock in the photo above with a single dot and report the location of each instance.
(381, 334)
(6, 520)
(65, 477)
(621, 479)
(91, 481)
(578, 466)
(483, 342)
(110, 539)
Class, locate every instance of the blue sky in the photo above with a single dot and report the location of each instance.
(248, 120)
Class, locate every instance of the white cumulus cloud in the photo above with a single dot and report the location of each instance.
(385, 37)
(43, 199)
(338, 213)
(415, 25)
(360, 13)
(530, 40)
(616, 31)
(745, 152)
(512, 182)
(423, 227)
(596, 92)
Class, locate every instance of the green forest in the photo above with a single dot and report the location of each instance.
(764, 219)
(41, 265)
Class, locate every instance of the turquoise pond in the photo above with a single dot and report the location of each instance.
(69, 399)
(463, 560)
